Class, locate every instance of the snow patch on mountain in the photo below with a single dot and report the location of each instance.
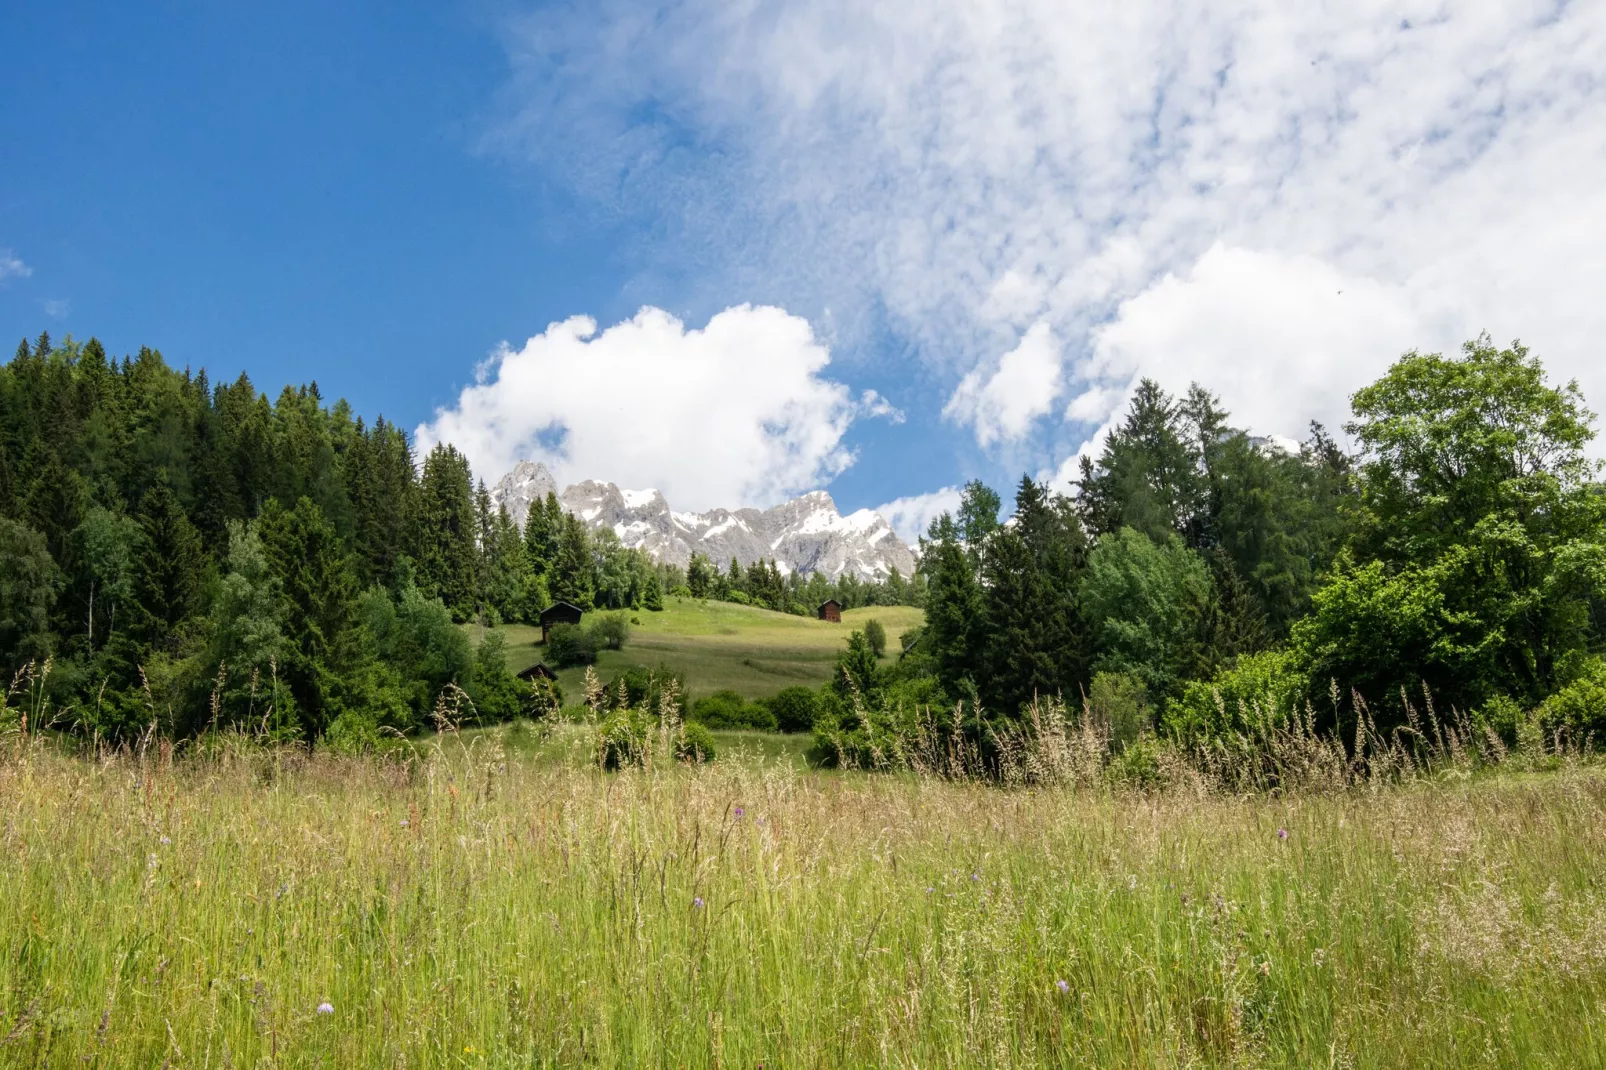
(806, 534)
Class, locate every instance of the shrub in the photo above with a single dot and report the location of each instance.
(644, 686)
(795, 709)
(730, 711)
(876, 635)
(568, 645)
(1119, 703)
(1579, 708)
(696, 744)
(543, 699)
(739, 597)
(623, 739)
(1260, 688)
(610, 631)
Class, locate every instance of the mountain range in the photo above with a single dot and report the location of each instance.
(806, 534)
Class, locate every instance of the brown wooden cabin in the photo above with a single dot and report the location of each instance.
(830, 610)
(538, 671)
(558, 613)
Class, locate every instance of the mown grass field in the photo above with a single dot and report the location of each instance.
(719, 645)
(473, 907)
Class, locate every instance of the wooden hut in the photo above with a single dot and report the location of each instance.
(538, 671)
(830, 610)
(558, 613)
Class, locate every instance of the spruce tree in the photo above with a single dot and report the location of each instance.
(446, 530)
(954, 605)
(168, 571)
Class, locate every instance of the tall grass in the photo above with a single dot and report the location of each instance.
(460, 906)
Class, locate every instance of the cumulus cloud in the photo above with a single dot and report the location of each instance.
(734, 413)
(911, 516)
(11, 267)
(1002, 403)
(1170, 189)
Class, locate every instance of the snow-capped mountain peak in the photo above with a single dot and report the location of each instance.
(806, 534)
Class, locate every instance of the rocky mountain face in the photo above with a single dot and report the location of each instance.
(805, 535)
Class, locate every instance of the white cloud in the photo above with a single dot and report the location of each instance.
(734, 413)
(1137, 175)
(56, 307)
(911, 517)
(11, 267)
(1001, 406)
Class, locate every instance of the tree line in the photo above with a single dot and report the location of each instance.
(1201, 579)
(186, 554)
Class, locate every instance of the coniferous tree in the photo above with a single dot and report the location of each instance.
(168, 570)
(446, 532)
(319, 608)
(573, 577)
(954, 605)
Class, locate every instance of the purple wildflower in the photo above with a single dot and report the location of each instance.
(740, 811)
(1282, 834)
(326, 1007)
(697, 901)
(1063, 986)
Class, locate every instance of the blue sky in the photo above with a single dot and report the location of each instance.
(819, 242)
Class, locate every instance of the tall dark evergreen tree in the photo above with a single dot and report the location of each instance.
(446, 532)
(168, 572)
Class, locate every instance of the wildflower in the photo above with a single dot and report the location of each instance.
(326, 1007)
(975, 876)
(166, 841)
(740, 811)
(697, 901)
(1282, 834)
(930, 890)
(1063, 986)
(404, 822)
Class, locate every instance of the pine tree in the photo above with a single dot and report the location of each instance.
(446, 530)
(954, 605)
(319, 608)
(573, 578)
(168, 571)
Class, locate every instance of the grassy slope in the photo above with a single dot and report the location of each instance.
(471, 913)
(719, 645)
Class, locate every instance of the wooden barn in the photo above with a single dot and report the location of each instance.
(558, 613)
(830, 610)
(538, 671)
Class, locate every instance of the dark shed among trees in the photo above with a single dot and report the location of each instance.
(558, 613)
(830, 610)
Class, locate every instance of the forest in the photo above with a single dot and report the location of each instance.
(178, 556)
(1203, 584)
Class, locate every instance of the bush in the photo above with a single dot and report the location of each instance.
(610, 631)
(696, 744)
(568, 645)
(1579, 708)
(1120, 703)
(739, 597)
(1260, 690)
(622, 740)
(795, 709)
(876, 635)
(729, 711)
(644, 686)
(543, 699)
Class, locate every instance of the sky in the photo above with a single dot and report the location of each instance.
(741, 250)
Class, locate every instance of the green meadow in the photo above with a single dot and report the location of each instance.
(471, 905)
(721, 645)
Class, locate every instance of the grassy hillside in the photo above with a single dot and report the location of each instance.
(720, 645)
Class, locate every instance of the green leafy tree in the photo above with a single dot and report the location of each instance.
(29, 582)
(107, 547)
(1143, 600)
(1479, 552)
(875, 633)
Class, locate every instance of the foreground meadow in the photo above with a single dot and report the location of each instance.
(470, 907)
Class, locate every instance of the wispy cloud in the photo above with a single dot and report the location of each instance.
(57, 307)
(1169, 189)
(12, 267)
